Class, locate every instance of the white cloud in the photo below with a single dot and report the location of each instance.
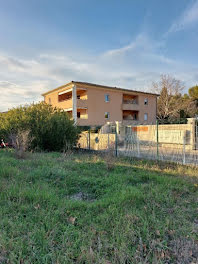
(13, 95)
(141, 43)
(133, 66)
(188, 18)
(131, 46)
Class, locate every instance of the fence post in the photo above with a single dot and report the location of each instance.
(184, 150)
(195, 132)
(157, 137)
(138, 148)
(116, 143)
(89, 138)
(108, 141)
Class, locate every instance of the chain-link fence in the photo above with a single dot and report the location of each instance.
(169, 142)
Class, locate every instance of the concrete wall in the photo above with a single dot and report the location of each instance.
(169, 135)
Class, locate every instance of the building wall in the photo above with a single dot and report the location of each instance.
(150, 109)
(53, 97)
(96, 105)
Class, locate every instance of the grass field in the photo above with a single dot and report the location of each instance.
(81, 208)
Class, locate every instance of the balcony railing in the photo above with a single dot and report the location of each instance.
(83, 117)
(130, 101)
(130, 118)
(82, 103)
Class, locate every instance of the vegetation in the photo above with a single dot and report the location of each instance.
(48, 128)
(78, 208)
(173, 107)
(193, 93)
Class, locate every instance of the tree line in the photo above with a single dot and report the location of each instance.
(174, 106)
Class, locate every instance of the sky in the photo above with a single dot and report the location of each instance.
(122, 43)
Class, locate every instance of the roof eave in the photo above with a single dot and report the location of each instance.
(60, 87)
(116, 88)
(97, 85)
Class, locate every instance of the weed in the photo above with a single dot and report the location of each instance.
(58, 209)
(110, 159)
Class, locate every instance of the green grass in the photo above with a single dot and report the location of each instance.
(131, 211)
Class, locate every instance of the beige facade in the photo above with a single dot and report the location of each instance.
(95, 105)
(169, 135)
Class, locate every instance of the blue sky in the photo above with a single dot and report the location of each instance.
(124, 43)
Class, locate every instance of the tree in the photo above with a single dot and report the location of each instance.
(48, 128)
(170, 101)
(193, 94)
(190, 106)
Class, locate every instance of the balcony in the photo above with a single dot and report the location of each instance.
(130, 116)
(81, 113)
(81, 103)
(82, 98)
(132, 107)
(65, 99)
(63, 96)
(130, 102)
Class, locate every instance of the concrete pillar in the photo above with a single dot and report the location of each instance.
(117, 127)
(74, 104)
(192, 123)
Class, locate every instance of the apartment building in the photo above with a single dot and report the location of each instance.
(94, 105)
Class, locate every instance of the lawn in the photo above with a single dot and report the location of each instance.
(86, 208)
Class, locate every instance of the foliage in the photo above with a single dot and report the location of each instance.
(193, 94)
(75, 210)
(173, 107)
(49, 128)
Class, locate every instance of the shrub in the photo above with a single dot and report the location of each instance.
(21, 142)
(49, 128)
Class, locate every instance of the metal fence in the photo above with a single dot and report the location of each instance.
(175, 143)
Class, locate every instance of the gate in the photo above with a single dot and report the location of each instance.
(97, 140)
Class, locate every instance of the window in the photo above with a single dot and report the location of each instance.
(50, 100)
(107, 115)
(145, 117)
(78, 96)
(106, 97)
(146, 101)
(78, 114)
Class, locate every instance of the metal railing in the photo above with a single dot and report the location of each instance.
(130, 101)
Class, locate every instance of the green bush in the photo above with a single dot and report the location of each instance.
(49, 128)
